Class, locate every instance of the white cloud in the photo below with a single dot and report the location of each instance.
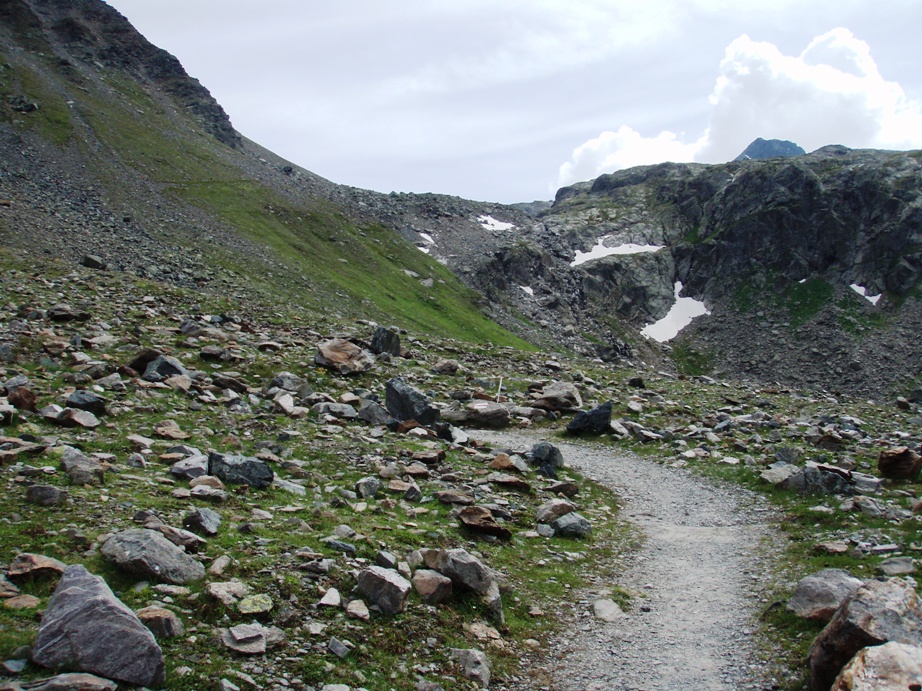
(832, 93)
(623, 149)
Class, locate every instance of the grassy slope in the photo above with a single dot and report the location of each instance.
(321, 258)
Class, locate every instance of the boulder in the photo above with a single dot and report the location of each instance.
(405, 402)
(432, 586)
(572, 525)
(85, 627)
(148, 554)
(559, 395)
(551, 510)
(162, 622)
(385, 588)
(595, 421)
(385, 341)
(190, 468)
(88, 401)
(901, 463)
(822, 478)
(448, 367)
(481, 520)
(368, 487)
(819, 595)
(482, 414)
(163, 367)
(203, 521)
(878, 612)
(27, 566)
(373, 413)
(474, 665)
(783, 474)
(343, 356)
(240, 470)
(469, 573)
(81, 469)
(46, 495)
(887, 667)
(546, 455)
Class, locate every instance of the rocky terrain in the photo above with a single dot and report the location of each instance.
(261, 492)
(240, 405)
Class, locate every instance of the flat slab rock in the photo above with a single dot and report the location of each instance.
(63, 682)
(86, 627)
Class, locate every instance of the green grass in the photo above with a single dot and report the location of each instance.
(52, 119)
(311, 253)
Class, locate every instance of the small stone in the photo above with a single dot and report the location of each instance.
(27, 565)
(357, 609)
(162, 622)
(607, 610)
(255, 604)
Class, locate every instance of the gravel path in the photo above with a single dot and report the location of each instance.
(699, 571)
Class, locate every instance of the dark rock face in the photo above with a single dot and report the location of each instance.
(405, 402)
(94, 32)
(595, 421)
(240, 470)
(385, 341)
(545, 454)
(87, 628)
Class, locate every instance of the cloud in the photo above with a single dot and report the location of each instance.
(832, 93)
(623, 149)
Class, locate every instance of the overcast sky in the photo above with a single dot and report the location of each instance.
(507, 100)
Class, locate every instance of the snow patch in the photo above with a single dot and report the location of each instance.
(491, 223)
(600, 250)
(427, 238)
(863, 292)
(424, 250)
(679, 316)
(528, 290)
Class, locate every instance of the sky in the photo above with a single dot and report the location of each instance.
(508, 100)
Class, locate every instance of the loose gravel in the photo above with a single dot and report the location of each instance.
(697, 581)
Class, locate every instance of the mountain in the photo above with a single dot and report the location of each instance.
(109, 149)
(769, 148)
(772, 247)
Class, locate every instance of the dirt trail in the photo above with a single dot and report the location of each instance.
(699, 569)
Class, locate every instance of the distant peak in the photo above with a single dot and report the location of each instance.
(770, 148)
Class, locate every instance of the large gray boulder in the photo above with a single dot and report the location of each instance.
(887, 667)
(877, 613)
(149, 554)
(82, 470)
(240, 470)
(87, 628)
(385, 588)
(405, 402)
(820, 594)
(469, 573)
